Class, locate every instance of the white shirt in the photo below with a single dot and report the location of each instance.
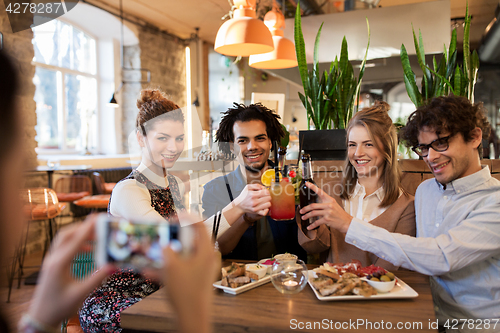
(131, 199)
(365, 208)
(457, 244)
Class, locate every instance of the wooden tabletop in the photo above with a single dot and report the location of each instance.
(264, 309)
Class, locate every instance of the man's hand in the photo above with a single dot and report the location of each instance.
(328, 212)
(254, 200)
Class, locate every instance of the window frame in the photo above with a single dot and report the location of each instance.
(61, 100)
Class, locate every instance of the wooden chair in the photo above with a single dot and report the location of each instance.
(72, 188)
(40, 206)
(101, 186)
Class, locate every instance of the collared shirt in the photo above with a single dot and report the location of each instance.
(365, 207)
(457, 244)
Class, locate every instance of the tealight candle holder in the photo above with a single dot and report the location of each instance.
(289, 277)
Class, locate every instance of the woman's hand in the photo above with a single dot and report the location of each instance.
(328, 212)
(58, 295)
(188, 281)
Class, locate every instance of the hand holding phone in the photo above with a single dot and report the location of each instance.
(138, 245)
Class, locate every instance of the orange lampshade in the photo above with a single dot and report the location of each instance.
(243, 35)
(283, 55)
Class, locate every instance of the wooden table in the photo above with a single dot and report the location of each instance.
(264, 309)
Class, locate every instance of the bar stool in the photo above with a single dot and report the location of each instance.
(40, 206)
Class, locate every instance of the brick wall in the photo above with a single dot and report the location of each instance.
(19, 47)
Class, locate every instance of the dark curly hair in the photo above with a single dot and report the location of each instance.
(240, 112)
(447, 114)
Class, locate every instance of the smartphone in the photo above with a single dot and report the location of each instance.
(138, 244)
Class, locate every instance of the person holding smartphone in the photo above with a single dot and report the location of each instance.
(370, 190)
(58, 295)
(149, 193)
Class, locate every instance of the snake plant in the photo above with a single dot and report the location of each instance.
(446, 76)
(330, 98)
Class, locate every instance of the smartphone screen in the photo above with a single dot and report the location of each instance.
(134, 245)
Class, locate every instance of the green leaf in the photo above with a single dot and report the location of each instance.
(457, 83)
(286, 139)
(316, 45)
(409, 78)
(300, 49)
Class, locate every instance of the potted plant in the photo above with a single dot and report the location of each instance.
(330, 98)
(447, 76)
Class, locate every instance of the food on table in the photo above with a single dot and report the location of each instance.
(268, 262)
(285, 256)
(345, 279)
(347, 284)
(236, 275)
(259, 270)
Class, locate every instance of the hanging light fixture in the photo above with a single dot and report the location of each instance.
(283, 55)
(113, 102)
(243, 34)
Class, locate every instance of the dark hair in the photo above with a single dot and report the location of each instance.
(240, 112)
(8, 90)
(153, 104)
(375, 119)
(447, 114)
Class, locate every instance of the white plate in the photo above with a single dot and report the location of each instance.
(243, 288)
(401, 290)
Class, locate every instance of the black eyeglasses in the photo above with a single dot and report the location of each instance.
(440, 145)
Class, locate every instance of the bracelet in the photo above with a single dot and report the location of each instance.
(28, 324)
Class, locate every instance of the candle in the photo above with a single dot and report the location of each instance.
(290, 284)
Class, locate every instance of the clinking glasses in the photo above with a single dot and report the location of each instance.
(440, 145)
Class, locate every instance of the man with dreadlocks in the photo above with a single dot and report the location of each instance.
(245, 230)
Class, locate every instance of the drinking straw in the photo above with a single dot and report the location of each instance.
(276, 162)
(218, 223)
(300, 151)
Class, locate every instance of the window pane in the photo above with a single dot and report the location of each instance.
(84, 52)
(46, 108)
(59, 44)
(81, 102)
(45, 43)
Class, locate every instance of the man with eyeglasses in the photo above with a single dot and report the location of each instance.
(457, 217)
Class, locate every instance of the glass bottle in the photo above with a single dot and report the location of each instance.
(306, 195)
(281, 159)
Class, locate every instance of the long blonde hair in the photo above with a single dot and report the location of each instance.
(382, 132)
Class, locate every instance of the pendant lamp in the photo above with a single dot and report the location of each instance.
(244, 34)
(283, 55)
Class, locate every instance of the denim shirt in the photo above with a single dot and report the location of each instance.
(457, 245)
(216, 197)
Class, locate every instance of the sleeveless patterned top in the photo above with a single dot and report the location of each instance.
(166, 201)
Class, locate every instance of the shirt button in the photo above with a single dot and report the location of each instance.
(383, 257)
(458, 191)
(437, 225)
(354, 242)
(445, 197)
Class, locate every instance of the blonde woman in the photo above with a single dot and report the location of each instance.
(371, 190)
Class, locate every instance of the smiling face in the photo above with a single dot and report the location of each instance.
(363, 155)
(252, 144)
(162, 145)
(459, 160)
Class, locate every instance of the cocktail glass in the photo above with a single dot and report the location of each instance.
(282, 200)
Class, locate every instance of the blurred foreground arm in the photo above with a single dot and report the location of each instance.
(58, 295)
(188, 281)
